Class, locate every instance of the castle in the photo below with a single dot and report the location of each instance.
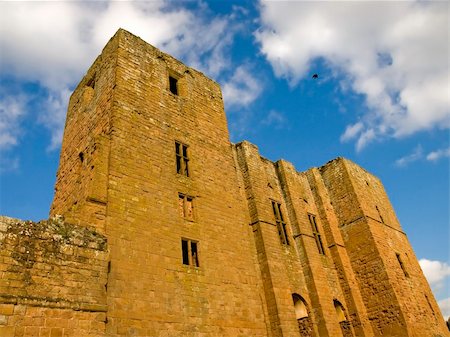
(161, 227)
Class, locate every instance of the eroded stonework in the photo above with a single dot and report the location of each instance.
(171, 230)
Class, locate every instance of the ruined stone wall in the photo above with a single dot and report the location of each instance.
(393, 287)
(81, 180)
(260, 190)
(367, 264)
(356, 310)
(298, 267)
(151, 292)
(53, 279)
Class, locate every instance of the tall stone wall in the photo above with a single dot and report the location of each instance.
(53, 279)
(82, 177)
(298, 267)
(150, 290)
(398, 299)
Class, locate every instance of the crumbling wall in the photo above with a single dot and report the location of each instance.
(53, 279)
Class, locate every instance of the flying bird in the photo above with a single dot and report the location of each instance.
(315, 76)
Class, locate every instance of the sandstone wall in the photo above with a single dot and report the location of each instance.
(53, 279)
(298, 267)
(150, 291)
(81, 180)
(398, 299)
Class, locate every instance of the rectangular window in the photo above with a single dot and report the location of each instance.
(399, 259)
(316, 233)
(281, 225)
(173, 85)
(182, 159)
(186, 206)
(190, 252)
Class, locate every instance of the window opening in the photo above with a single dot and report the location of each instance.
(182, 159)
(429, 304)
(399, 259)
(91, 82)
(316, 233)
(304, 322)
(189, 250)
(281, 224)
(173, 85)
(301, 310)
(379, 214)
(339, 311)
(186, 206)
(185, 249)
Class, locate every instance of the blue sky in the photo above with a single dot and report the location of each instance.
(381, 99)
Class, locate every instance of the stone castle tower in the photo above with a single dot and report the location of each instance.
(171, 230)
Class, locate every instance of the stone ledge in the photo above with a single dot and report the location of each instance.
(55, 229)
(49, 302)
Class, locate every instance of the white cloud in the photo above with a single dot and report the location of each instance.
(53, 115)
(393, 53)
(445, 307)
(438, 276)
(436, 272)
(242, 89)
(53, 43)
(352, 131)
(410, 158)
(438, 154)
(11, 112)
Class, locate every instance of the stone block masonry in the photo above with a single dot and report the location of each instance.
(171, 230)
(53, 279)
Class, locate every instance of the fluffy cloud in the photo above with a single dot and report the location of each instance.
(11, 112)
(242, 88)
(436, 272)
(53, 43)
(393, 53)
(438, 154)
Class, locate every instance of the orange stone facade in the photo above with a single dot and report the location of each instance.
(162, 227)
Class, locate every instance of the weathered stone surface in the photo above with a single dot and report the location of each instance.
(207, 240)
(53, 279)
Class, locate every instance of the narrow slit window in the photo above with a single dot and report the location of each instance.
(379, 214)
(186, 206)
(429, 304)
(281, 224)
(189, 250)
(400, 262)
(173, 85)
(340, 312)
(91, 82)
(316, 233)
(185, 250)
(182, 159)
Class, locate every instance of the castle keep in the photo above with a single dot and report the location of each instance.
(161, 227)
